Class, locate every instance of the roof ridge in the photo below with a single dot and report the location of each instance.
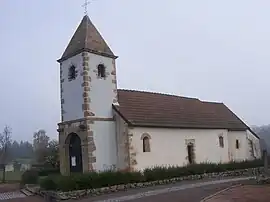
(158, 93)
(86, 29)
(212, 102)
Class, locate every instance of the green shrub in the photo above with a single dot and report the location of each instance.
(48, 171)
(30, 177)
(64, 183)
(109, 178)
(161, 173)
(48, 183)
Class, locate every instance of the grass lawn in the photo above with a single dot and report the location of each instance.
(12, 176)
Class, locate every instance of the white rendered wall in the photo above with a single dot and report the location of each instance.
(102, 93)
(168, 146)
(102, 90)
(256, 144)
(243, 152)
(105, 141)
(72, 90)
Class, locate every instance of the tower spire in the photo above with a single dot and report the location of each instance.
(87, 38)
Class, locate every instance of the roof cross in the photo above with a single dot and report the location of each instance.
(85, 5)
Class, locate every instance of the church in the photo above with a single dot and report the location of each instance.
(105, 128)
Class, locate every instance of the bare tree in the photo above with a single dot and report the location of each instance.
(40, 143)
(5, 143)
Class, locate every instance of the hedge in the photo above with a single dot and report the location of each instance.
(162, 173)
(48, 171)
(90, 180)
(110, 178)
(32, 176)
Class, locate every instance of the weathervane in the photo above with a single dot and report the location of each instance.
(85, 5)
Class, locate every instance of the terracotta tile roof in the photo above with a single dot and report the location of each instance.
(87, 38)
(160, 110)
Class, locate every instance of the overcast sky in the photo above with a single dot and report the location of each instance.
(212, 50)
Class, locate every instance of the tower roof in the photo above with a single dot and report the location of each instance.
(87, 38)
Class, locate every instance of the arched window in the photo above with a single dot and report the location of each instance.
(146, 142)
(101, 71)
(221, 141)
(72, 73)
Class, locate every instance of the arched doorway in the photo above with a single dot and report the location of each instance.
(75, 153)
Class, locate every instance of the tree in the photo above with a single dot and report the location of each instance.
(53, 154)
(40, 144)
(22, 150)
(264, 133)
(5, 152)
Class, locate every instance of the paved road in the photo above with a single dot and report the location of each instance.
(173, 193)
(190, 192)
(25, 199)
(246, 193)
(189, 195)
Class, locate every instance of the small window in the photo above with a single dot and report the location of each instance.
(72, 73)
(237, 144)
(221, 141)
(146, 144)
(101, 71)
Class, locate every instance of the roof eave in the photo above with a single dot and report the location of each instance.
(86, 50)
(248, 128)
(121, 115)
(254, 133)
(186, 127)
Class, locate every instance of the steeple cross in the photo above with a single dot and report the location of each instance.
(85, 5)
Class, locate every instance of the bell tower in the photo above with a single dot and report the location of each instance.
(88, 90)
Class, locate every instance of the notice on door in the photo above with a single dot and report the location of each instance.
(73, 161)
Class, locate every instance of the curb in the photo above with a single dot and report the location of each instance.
(26, 192)
(219, 192)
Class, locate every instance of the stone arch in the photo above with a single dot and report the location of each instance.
(74, 151)
(145, 135)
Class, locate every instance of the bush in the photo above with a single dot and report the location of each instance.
(48, 183)
(161, 173)
(91, 180)
(30, 177)
(66, 183)
(109, 178)
(48, 171)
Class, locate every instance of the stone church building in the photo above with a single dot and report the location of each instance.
(104, 127)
